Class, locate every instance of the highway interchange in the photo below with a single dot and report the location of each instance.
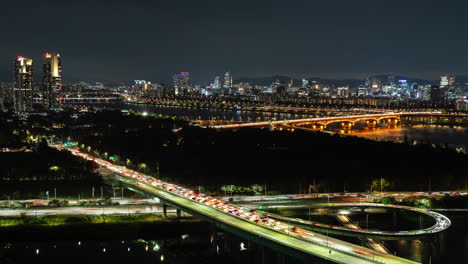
(241, 218)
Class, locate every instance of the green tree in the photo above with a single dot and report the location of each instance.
(388, 200)
(425, 203)
(257, 188)
(380, 184)
(229, 189)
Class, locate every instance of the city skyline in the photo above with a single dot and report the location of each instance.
(211, 131)
(337, 39)
(38, 75)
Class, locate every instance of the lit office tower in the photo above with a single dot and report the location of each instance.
(305, 83)
(142, 88)
(227, 85)
(181, 83)
(391, 80)
(217, 83)
(23, 85)
(51, 80)
(2, 95)
(437, 95)
(447, 80)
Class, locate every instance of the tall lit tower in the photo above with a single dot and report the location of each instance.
(227, 85)
(447, 80)
(23, 85)
(217, 83)
(51, 80)
(391, 80)
(181, 82)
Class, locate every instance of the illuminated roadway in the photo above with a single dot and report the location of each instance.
(327, 120)
(442, 222)
(134, 209)
(298, 242)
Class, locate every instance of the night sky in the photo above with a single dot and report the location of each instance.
(136, 39)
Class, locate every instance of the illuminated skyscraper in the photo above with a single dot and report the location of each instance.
(23, 85)
(217, 83)
(2, 95)
(181, 82)
(227, 85)
(142, 88)
(447, 80)
(437, 95)
(391, 80)
(51, 80)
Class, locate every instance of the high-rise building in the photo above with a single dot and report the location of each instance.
(23, 85)
(227, 85)
(216, 83)
(2, 95)
(447, 80)
(403, 87)
(51, 80)
(142, 88)
(437, 95)
(376, 85)
(362, 91)
(391, 80)
(305, 83)
(343, 91)
(181, 83)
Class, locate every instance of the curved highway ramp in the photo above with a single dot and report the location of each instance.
(278, 235)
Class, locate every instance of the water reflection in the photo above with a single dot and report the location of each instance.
(453, 137)
(188, 113)
(184, 249)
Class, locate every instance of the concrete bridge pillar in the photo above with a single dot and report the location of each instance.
(346, 125)
(165, 210)
(271, 127)
(213, 239)
(318, 126)
(178, 213)
(393, 121)
(395, 218)
(371, 123)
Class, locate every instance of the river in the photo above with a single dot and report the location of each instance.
(453, 137)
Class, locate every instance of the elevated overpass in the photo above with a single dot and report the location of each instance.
(294, 241)
(441, 222)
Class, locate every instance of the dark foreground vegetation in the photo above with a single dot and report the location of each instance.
(281, 161)
(429, 202)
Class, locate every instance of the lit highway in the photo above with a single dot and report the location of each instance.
(241, 218)
(374, 244)
(85, 210)
(442, 222)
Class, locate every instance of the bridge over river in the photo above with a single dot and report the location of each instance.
(346, 121)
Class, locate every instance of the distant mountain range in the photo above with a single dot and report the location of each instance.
(341, 82)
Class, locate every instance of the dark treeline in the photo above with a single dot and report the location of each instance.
(30, 174)
(284, 161)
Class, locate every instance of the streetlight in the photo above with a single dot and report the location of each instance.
(381, 185)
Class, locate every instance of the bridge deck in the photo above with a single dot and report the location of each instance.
(350, 118)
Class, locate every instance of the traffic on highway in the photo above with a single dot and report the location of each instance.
(441, 222)
(251, 216)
